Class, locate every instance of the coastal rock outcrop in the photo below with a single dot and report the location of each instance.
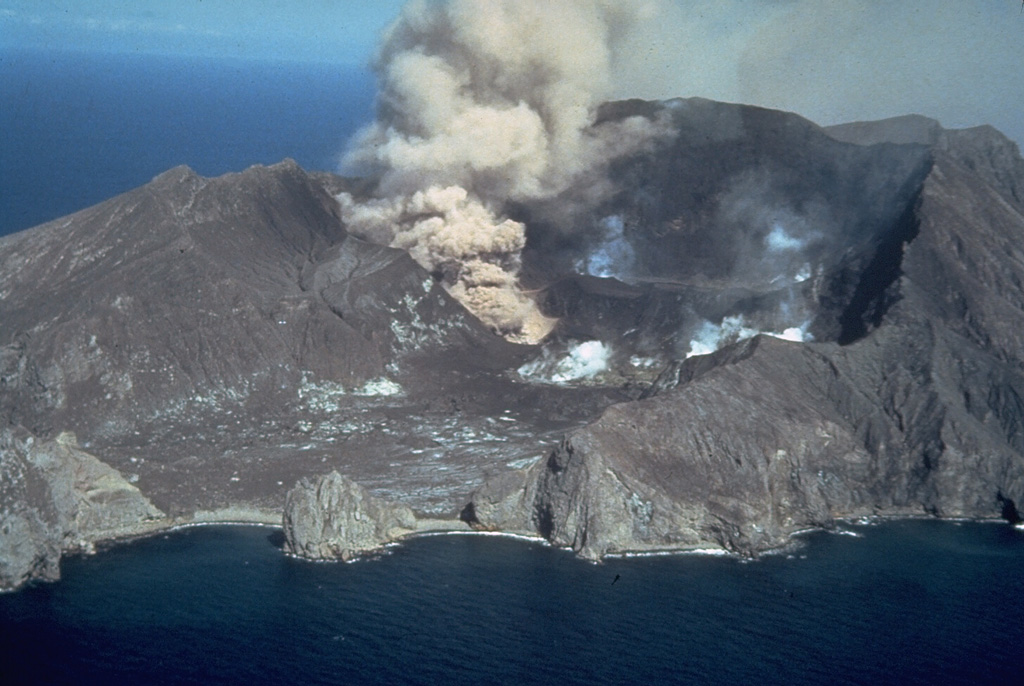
(332, 517)
(56, 498)
(773, 437)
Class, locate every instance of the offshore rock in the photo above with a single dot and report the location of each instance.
(56, 498)
(503, 503)
(332, 517)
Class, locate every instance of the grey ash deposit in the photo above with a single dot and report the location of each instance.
(217, 341)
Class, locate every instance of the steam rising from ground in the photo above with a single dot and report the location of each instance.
(613, 256)
(483, 103)
(582, 361)
(711, 337)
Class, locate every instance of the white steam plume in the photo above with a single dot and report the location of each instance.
(581, 362)
(483, 103)
(710, 337)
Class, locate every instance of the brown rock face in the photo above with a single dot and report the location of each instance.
(332, 517)
(54, 498)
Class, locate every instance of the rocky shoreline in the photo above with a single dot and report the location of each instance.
(427, 527)
(333, 518)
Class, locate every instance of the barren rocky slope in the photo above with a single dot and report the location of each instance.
(215, 342)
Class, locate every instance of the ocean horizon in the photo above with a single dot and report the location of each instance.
(82, 127)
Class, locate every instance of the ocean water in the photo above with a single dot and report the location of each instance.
(78, 128)
(910, 602)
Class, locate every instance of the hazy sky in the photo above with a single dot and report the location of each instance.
(303, 30)
(961, 61)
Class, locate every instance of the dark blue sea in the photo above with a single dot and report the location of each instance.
(78, 128)
(911, 602)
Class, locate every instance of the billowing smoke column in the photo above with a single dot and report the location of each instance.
(483, 103)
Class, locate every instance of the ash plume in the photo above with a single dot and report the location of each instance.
(483, 104)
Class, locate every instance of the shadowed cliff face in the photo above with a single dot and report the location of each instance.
(914, 408)
(771, 437)
(215, 341)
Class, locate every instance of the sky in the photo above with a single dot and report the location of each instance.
(332, 31)
(960, 61)
(833, 61)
